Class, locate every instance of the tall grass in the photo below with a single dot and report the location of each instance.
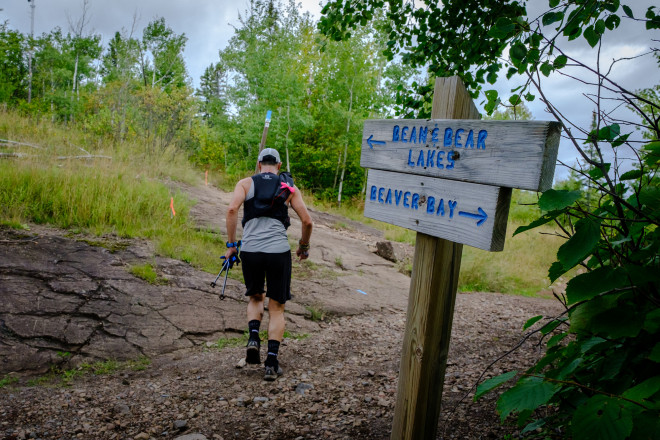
(521, 268)
(124, 196)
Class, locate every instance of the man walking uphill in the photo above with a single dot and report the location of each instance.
(265, 251)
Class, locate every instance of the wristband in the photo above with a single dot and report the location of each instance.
(231, 245)
(303, 246)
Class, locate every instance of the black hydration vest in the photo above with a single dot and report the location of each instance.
(269, 198)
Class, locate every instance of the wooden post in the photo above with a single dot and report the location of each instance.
(433, 287)
(262, 144)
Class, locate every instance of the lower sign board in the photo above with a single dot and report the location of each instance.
(462, 212)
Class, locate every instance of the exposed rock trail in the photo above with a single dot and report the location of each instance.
(64, 300)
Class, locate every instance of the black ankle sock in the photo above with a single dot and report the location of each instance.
(253, 327)
(273, 350)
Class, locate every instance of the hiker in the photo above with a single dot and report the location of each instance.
(265, 250)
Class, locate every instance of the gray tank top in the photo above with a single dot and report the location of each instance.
(264, 234)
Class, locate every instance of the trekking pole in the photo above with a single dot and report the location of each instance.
(228, 264)
(225, 269)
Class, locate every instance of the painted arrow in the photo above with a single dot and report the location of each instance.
(370, 142)
(482, 216)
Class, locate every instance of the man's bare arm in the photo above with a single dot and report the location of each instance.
(237, 199)
(298, 205)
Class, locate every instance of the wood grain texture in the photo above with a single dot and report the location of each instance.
(433, 286)
(514, 154)
(441, 208)
(426, 338)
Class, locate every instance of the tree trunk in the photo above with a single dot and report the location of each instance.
(75, 75)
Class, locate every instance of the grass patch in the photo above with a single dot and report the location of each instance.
(306, 269)
(238, 341)
(241, 341)
(316, 313)
(65, 377)
(148, 273)
(14, 225)
(8, 380)
(109, 244)
(296, 336)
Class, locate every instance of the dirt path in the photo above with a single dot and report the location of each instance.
(340, 374)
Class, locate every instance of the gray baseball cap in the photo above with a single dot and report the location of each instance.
(272, 152)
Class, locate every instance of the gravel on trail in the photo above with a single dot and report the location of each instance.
(340, 373)
(339, 383)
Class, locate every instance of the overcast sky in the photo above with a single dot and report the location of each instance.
(208, 26)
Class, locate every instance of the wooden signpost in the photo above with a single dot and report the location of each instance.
(445, 184)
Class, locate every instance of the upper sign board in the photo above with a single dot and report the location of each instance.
(462, 212)
(512, 154)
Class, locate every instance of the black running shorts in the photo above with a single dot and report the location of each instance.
(274, 269)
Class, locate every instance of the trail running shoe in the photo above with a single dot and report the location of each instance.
(273, 372)
(252, 356)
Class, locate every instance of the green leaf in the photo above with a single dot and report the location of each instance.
(602, 418)
(491, 94)
(652, 321)
(655, 353)
(609, 132)
(628, 11)
(569, 369)
(550, 216)
(531, 321)
(502, 28)
(631, 175)
(591, 36)
(529, 97)
(550, 326)
(581, 244)
(556, 339)
(552, 17)
(612, 22)
(553, 199)
(649, 197)
(614, 320)
(620, 140)
(492, 383)
(518, 51)
(647, 425)
(528, 394)
(652, 153)
(555, 271)
(597, 173)
(514, 99)
(644, 390)
(546, 68)
(590, 343)
(590, 284)
(533, 426)
(599, 27)
(560, 62)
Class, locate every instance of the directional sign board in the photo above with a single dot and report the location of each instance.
(513, 154)
(462, 212)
